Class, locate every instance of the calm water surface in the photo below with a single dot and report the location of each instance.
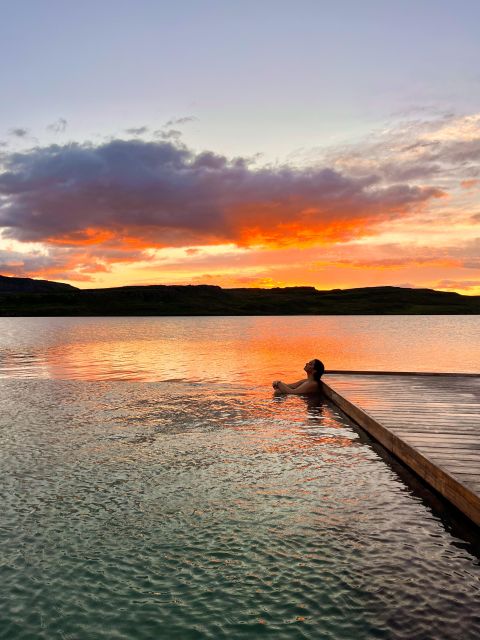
(233, 349)
(153, 487)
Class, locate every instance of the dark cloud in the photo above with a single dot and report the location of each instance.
(137, 131)
(58, 126)
(164, 193)
(170, 134)
(174, 122)
(19, 132)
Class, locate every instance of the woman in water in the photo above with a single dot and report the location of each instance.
(314, 370)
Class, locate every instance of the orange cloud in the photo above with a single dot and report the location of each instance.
(81, 238)
(469, 184)
(394, 263)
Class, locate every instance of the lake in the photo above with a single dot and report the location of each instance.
(153, 487)
(233, 349)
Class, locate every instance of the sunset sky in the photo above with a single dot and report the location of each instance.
(254, 143)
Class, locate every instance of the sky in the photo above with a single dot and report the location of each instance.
(242, 144)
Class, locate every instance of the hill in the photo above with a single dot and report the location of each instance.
(27, 297)
(15, 285)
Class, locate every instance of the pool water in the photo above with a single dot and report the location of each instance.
(184, 509)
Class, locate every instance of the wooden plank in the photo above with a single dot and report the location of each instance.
(464, 469)
(442, 447)
(474, 486)
(459, 458)
(440, 433)
(417, 418)
(400, 373)
(453, 455)
(453, 445)
(433, 432)
(414, 414)
(440, 437)
(463, 431)
(466, 478)
(422, 438)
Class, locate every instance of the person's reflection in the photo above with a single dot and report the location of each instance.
(315, 403)
(328, 428)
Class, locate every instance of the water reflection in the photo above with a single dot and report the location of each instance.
(155, 509)
(248, 350)
(312, 424)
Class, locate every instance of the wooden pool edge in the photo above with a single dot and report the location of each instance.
(434, 475)
(403, 373)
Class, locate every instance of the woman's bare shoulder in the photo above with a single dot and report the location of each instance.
(309, 386)
(294, 385)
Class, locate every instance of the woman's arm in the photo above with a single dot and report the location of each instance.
(293, 385)
(305, 386)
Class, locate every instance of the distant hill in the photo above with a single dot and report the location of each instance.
(13, 285)
(27, 297)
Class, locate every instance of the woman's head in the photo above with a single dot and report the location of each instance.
(316, 368)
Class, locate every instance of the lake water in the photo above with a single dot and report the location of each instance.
(233, 349)
(153, 487)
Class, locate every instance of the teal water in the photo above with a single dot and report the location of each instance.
(182, 510)
(153, 487)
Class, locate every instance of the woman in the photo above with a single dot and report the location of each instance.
(314, 370)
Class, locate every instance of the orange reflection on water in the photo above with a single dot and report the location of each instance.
(246, 350)
(249, 350)
(292, 431)
(296, 443)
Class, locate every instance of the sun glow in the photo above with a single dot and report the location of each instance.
(399, 208)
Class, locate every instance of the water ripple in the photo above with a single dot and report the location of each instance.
(213, 511)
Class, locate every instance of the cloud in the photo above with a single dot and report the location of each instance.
(67, 263)
(164, 194)
(16, 263)
(466, 285)
(137, 131)
(350, 256)
(170, 134)
(19, 132)
(179, 121)
(464, 255)
(98, 206)
(469, 184)
(415, 150)
(58, 126)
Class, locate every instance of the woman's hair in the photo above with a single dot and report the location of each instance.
(318, 370)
